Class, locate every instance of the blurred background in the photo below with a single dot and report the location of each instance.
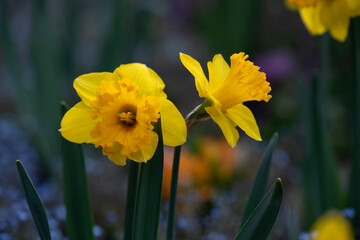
(45, 45)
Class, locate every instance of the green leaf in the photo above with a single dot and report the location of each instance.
(147, 208)
(78, 212)
(133, 183)
(262, 175)
(261, 221)
(36, 208)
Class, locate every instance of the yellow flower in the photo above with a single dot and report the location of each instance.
(320, 16)
(332, 226)
(227, 89)
(117, 111)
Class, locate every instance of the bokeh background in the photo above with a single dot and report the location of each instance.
(45, 45)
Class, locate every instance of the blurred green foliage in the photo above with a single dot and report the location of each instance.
(230, 25)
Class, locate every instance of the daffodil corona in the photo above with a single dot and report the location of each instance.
(227, 89)
(334, 16)
(117, 112)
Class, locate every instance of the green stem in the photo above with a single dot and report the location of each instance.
(325, 66)
(318, 147)
(198, 114)
(355, 178)
(173, 192)
(327, 168)
(320, 103)
(133, 182)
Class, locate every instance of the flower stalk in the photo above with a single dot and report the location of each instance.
(355, 178)
(198, 114)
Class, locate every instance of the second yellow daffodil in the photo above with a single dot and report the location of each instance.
(334, 16)
(227, 89)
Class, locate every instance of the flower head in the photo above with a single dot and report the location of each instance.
(334, 16)
(332, 226)
(227, 89)
(117, 112)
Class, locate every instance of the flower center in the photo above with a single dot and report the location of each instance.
(304, 3)
(127, 118)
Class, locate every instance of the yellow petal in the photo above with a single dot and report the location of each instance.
(146, 79)
(226, 125)
(335, 17)
(243, 117)
(218, 70)
(194, 67)
(311, 18)
(354, 7)
(86, 85)
(145, 154)
(325, 15)
(77, 124)
(117, 158)
(173, 124)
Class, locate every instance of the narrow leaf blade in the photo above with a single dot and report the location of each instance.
(261, 221)
(36, 207)
(147, 210)
(78, 212)
(262, 175)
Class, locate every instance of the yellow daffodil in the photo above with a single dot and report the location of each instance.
(227, 89)
(332, 226)
(117, 111)
(334, 16)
